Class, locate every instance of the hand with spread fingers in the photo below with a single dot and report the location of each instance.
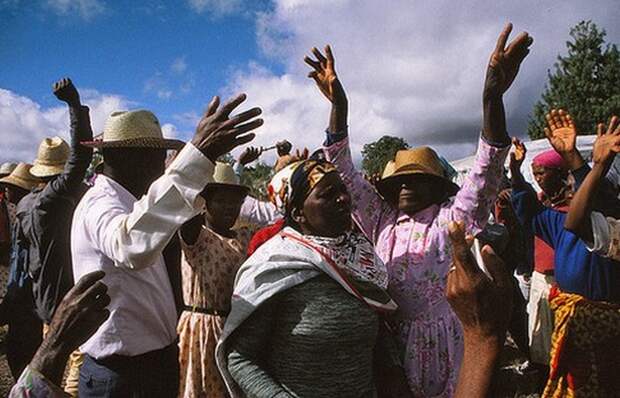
(76, 319)
(518, 156)
(218, 133)
(607, 143)
(324, 74)
(65, 91)
(483, 305)
(561, 131)
(250, 154)
(505, 62)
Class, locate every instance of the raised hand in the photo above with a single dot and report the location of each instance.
(250, 154)
(607, 143)
(561, 131)
(518, 156)
(217, 133)
(505, 62)
(65, 91)
(483, 305)
(324, 74)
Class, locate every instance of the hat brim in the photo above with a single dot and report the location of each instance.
(156, 143)
(385, 185)
(19, 183)
(42, 171)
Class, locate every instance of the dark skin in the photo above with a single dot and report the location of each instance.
(327, 209)
(551, 181)
(419, 191)
(223, 206)
(134, 168)
(502, 69)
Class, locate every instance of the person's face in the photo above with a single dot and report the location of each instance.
(417, 192)
(141, 166)
(327, 210)
(14, 194)
(549, 180)
(223, 206)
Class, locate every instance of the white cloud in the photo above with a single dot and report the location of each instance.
(215, 7)
(27, 123)
(86, 9)
(413, 69)
(178, 65)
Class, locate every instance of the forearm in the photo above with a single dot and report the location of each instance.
(578, 218)
(50, 361)
(80, 156)
(573, 159)
(494, 120)
(479, 362)
(339, 114)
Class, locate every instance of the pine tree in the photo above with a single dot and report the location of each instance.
(586, 82)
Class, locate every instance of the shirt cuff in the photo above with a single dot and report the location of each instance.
(332, 138)
(496, 144)
(600, 234)
(191, 171)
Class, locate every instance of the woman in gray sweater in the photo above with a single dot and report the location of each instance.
(305, 313)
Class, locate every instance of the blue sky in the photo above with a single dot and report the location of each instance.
(411, 68)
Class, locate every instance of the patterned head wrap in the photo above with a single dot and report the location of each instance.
(293, 184)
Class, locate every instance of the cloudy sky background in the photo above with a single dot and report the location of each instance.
(411, 68)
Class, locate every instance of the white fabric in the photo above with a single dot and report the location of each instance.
(257, 212)
(540, 320)
(600, 234)
(114, 232)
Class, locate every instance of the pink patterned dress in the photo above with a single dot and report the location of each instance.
(208, 268)
(417, 253)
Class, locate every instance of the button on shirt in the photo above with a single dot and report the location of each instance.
(114, 232)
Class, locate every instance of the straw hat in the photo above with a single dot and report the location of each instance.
(224, 176)
(420, 161)
(51, 157)
(21, 177)
(7, 168)
(133, 129)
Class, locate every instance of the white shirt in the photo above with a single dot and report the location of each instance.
(114, 232)
(257, 212)
(606, 235)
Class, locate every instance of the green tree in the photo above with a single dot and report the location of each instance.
(257, 177)
(585, 82)
(376, 154)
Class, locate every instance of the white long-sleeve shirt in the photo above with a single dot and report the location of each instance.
(114, 232)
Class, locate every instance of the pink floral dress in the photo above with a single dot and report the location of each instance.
(208, 268)
(417, 253)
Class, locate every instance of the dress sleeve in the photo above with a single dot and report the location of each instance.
(247, 347)
(257, 212)
(371, 213)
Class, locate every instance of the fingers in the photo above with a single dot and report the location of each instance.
(564, 118)
(551, 121)
(242, 117)
(548, 133)
(557, 120)
(242, 140)
(329, 55)
(317, 66)
(244, 128)
(319, 56)
(503, 38)
(230, 106)
(212, 107)
(95, 296)
(87, 281)
(495, 266)
(600, 130)
(612, 125)
(461, 254)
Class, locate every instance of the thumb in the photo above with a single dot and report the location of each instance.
(495, 265)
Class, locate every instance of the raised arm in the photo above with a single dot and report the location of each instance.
(516, 161)
(562, 135)
(370, 211)
(134, 240)
(606, 146)
(501, 72)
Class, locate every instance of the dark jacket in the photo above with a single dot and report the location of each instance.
(45, 216)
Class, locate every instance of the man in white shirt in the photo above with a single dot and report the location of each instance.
(122, 226)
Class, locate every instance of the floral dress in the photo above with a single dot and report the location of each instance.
(208, 268)
(418, 254)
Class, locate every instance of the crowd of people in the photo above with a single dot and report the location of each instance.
(155, 273)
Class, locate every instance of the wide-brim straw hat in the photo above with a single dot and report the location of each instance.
(133, 129)
(51, 157)
(7, 168)
(22, 178)
(416, 161)
(224, 176)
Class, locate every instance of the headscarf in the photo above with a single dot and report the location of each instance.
(293, 184)
(549, 159)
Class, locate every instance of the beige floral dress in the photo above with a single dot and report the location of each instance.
(208, 267)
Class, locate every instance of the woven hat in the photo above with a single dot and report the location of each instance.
(416, 161)
(7, 168)
(133, 129)
(51, 157)
(21, 177)
(224, 176)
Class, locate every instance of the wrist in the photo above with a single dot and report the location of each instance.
(50, 360)
(483, 345)
(572, 159)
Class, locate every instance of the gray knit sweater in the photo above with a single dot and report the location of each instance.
(313, 340)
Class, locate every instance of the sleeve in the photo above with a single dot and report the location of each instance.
(600, 233)
(136, 239)
(70, 181)
(246, 348)
(474, 202)
(257, 212)
(370, 212)
(34, 384)
(545, 223)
